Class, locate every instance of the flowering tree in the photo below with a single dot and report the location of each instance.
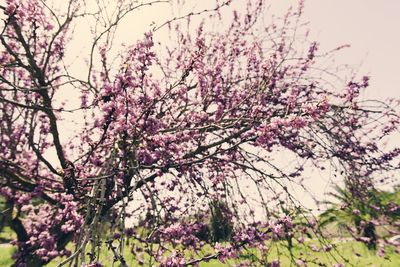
(168, 127)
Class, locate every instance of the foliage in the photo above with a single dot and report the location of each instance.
(360, 217)
(165, 126)
(221, 223)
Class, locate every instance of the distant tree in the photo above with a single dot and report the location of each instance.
(221, 222)
(391, 202)
(360, 216)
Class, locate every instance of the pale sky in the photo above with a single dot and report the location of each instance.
(371, 27)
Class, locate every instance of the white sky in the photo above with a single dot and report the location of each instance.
(371, 27)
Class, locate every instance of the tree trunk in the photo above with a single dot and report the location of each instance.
(370, 232)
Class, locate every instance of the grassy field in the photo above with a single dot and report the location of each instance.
(351, 253)
(355, 253)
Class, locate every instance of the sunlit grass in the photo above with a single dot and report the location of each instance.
(7, 234)
(351, 253)
(6, 252)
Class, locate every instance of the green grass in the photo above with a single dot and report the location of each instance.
(6, 250)
(354, 253)
(350, 253)
(344, 253)
(5, 255)
(7, 234)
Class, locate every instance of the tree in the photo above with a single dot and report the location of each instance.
(220, 221)
(361, 216)
(352, 212)
(167, 126)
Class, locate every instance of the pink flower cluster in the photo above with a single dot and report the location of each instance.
(43, 223)
(175, 260)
